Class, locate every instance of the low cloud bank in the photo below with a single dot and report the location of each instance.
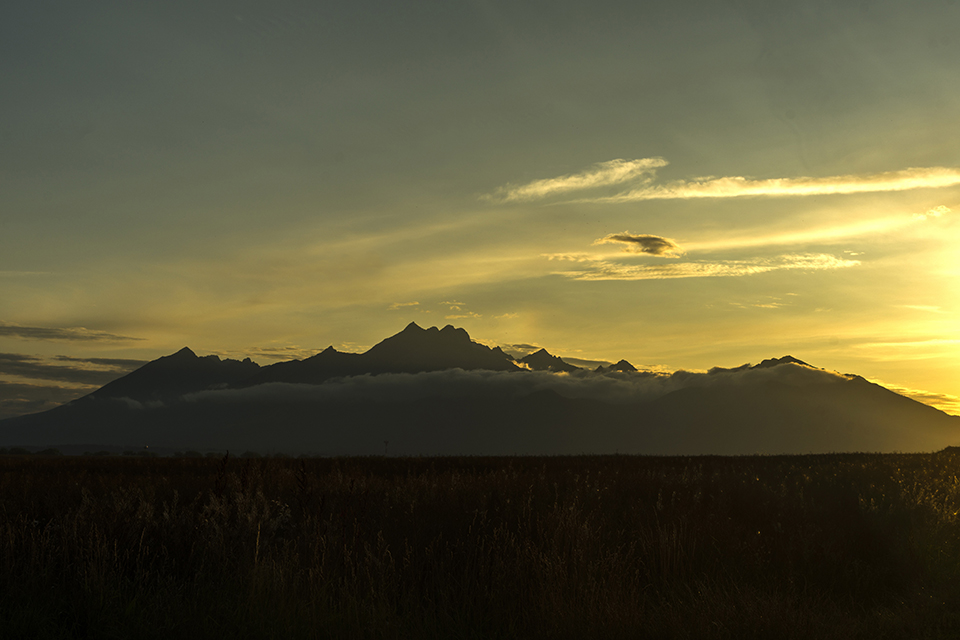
(613, 387)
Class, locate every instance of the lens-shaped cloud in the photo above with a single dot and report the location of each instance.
(643, 243)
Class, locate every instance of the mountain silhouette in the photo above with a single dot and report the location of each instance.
(542, 360)
(327, 364)
(622, 366)
(174, 375)
(416, 349)
(413, 350)
(435, 391)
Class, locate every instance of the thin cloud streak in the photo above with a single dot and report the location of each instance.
(602, 174)
(739, 186)
(605, 270)
(643, 170)
(402, 305)
(933, 342)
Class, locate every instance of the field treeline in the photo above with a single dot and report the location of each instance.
(831, 546)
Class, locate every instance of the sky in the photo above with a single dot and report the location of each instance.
(681, 184)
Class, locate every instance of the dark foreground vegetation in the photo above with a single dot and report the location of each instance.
(825, 546)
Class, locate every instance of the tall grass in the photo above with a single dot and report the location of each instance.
(838, 546)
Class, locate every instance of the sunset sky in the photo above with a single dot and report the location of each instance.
(681, 184)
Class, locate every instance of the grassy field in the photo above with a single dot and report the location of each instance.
(819, 546)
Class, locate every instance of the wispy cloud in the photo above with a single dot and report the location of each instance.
(402, 305)
(643, 243)
(922, 307)
(935, 212)
(457, 306)
(602, 174)
(78, 334)
(943, 401)
(607, 270)
(642, 172)
(758, 305)
(575, 256)
(912, 344)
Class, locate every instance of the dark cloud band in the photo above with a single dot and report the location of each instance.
(80, 334)
(34, 368)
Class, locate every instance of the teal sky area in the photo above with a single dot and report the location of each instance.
(681, 184)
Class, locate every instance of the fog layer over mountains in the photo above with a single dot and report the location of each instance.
(613, 387)
(435, 391)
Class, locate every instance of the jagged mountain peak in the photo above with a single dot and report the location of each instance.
(622, 366)
(773, 362)
(451, 330)
(543, 360)
(416, 349)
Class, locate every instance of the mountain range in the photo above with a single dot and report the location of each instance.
(437, 392)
